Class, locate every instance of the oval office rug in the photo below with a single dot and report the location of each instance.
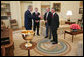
(46, 48)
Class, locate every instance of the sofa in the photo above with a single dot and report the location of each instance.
(61, 29)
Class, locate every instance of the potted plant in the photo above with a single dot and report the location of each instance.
(75, 27)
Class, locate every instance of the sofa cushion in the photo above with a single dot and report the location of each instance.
(62, 22)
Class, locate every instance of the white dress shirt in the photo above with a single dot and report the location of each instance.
(47, 15)
(53, 13)
(36, 12)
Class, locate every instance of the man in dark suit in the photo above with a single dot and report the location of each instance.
(28, 18)
(54, 26)
(36, 19)
(47, 19)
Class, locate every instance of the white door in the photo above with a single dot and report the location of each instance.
(24, 7)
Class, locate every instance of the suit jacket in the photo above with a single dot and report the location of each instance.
(49, 17)
(55, 21)
(36, 16)
(28, 19)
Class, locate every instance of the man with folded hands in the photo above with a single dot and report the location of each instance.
(36, 19)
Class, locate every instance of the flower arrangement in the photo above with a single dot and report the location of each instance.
(75, 27)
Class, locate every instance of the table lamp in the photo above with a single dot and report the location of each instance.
(69, 13)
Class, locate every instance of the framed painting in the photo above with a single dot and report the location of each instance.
(81, 3)
(57, 6)
(80, 10)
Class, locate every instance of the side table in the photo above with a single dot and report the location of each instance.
(73, 33)
(22, 46)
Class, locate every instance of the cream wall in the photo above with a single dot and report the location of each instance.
(65, 6)
(16, 12)
(69, 5)
(37, 4)
(24, 7)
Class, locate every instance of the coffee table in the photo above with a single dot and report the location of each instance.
(69, 22)
(22, 46)
(73, 33)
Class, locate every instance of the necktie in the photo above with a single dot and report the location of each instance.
(52, 15)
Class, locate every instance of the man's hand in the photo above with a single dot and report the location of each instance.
(40, 16)
(37, 21)
(46, 21)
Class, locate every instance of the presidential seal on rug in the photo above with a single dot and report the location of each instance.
(46, 48)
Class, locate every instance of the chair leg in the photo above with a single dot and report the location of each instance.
(3, 51)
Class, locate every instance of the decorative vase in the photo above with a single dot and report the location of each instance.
(27, 35)
(74, 30)
(68, 20)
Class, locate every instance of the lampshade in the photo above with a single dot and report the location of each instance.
(69, 13)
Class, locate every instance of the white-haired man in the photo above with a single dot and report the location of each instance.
(28, 18)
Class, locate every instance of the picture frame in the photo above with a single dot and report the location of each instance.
(81, 3)
(80, 10)
(57, 6)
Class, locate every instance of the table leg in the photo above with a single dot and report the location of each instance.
(64, 35)
(72, 37)
(28, 52)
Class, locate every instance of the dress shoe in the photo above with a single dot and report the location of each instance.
(54, 43)
(46, 36)
(38, 34)
(49, 38)
(34, 34)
